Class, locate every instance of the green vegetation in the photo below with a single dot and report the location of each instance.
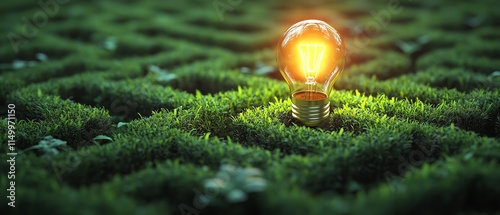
(159, 107)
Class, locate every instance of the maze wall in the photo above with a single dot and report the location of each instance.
(170, 107)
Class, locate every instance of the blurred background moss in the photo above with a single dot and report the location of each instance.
(177, 107)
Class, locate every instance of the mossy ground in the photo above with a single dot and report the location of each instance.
(189, 91)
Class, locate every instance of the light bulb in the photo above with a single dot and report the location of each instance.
(311, 56)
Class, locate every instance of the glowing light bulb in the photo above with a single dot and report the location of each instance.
(311, 56)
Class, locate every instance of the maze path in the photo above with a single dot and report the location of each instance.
(410, 121)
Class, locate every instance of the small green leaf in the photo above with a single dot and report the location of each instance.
(18, 64)
(102, 137)
(110, 44)
(120, 124)
(49, 146)
(264, 70)
(236, 195)
(167, 77)
(245, 70)
(207, 136)
(41, 57)
(255, 184)
(495, 74)
(468, 155)
(163, 75)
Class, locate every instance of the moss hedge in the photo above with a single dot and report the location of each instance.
(178, 108)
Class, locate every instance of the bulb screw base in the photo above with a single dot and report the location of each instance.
(310, 107)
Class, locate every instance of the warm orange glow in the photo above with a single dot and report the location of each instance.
(311, 56)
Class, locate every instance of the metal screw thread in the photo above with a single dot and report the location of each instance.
(311, 112)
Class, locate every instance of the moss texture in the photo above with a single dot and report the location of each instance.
(157, 100)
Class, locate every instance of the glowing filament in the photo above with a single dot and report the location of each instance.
(311, 56)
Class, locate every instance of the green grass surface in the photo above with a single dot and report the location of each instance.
(177, 107)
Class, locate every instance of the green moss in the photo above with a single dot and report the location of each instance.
(467, 113)
(73, 122)
(450, 181)
(376, 145)
(452, 58)
(455, 78)
(182, 90)
(389, 65)
(36, 182)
